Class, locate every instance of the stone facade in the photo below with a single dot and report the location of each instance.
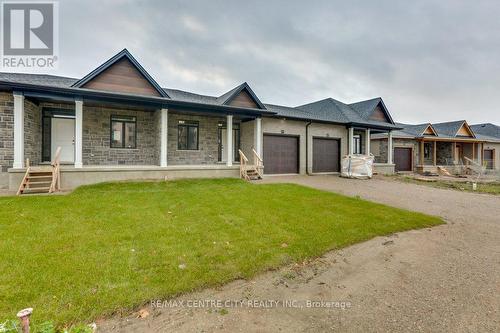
(208, 145)
(6, 131)
(379, 149)
(444, 152)
(32, 132)
(247, 142)
(97, 138)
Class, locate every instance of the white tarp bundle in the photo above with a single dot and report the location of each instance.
(357, 166)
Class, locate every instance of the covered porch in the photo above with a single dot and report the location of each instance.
(360, 144)
(112, 140)
(453, 155)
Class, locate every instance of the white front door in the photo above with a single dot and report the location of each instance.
(63, 135)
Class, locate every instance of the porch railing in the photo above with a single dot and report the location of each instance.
(56, 172)
(259, 164)
(243, 166)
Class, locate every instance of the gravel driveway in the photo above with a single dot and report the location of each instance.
(444, 279)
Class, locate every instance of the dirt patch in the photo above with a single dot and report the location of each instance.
(442, 279)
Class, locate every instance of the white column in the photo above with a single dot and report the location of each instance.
(229, 144)
(258, 136)
(389, 147)
(367, 142)
(78, 133)
(163, 137)
(351, 139)
(18, 130)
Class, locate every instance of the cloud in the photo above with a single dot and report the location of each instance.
(429, 60)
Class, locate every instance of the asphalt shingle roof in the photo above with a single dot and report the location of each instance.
(487, 129)
(328, 110)
(448, 129)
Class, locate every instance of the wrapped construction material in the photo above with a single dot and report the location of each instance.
(357, 166)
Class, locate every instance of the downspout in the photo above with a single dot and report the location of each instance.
(307, 147)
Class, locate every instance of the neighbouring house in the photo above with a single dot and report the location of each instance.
(450, 145)
(490, 133)
(117, 123)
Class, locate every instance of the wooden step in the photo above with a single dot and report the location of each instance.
(46, 174)
(35, 190)
(40, 182)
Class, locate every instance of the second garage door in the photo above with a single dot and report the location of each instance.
(326, 155)
(402, 159)
(281, 154)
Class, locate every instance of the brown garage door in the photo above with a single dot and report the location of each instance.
(281, 154)
(402, 159)
(326, 155)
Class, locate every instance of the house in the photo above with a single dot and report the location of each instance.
(117, 123)
(490, 133)
(450, 145)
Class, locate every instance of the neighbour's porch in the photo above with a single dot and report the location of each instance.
(453, 156)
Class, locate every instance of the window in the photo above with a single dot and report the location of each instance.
(356, 144)
(187, 135)
(123, 132)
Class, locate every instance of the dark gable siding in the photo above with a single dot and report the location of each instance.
(244, 100)
(122, 77)
(379, 115)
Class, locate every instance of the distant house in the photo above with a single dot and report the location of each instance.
(118, 123)
(490, 133)
(425, 147)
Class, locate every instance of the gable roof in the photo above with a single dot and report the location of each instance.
(487, 129)
(357, 113)
(429, 130)
(366, 108)
(229, 96)
(445, 130)
(451, 128)
(124, 54)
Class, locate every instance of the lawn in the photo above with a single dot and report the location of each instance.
(490, 187)
(109, 248)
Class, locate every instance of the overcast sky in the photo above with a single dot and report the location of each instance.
(429, 60)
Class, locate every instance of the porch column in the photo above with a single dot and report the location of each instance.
(258, 136)
(421, 152)
(350, 140)
(435, 153)
(479, 159)
(163, 137)
(78, 133)
(367, 142)
(229, 144)
(389, 147)
(18, 130)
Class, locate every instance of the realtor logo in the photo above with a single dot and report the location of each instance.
(29, 34)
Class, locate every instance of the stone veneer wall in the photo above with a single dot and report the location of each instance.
(382, 149)
(97, 138)
(247, 140)
(444, 152)
(208, 146)
(32, 132)
(6, 131)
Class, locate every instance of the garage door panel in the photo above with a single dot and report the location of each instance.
(402, 159)
(326, 155)
(281, 154)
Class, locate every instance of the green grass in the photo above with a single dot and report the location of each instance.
(109, 248)
(490, 188)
